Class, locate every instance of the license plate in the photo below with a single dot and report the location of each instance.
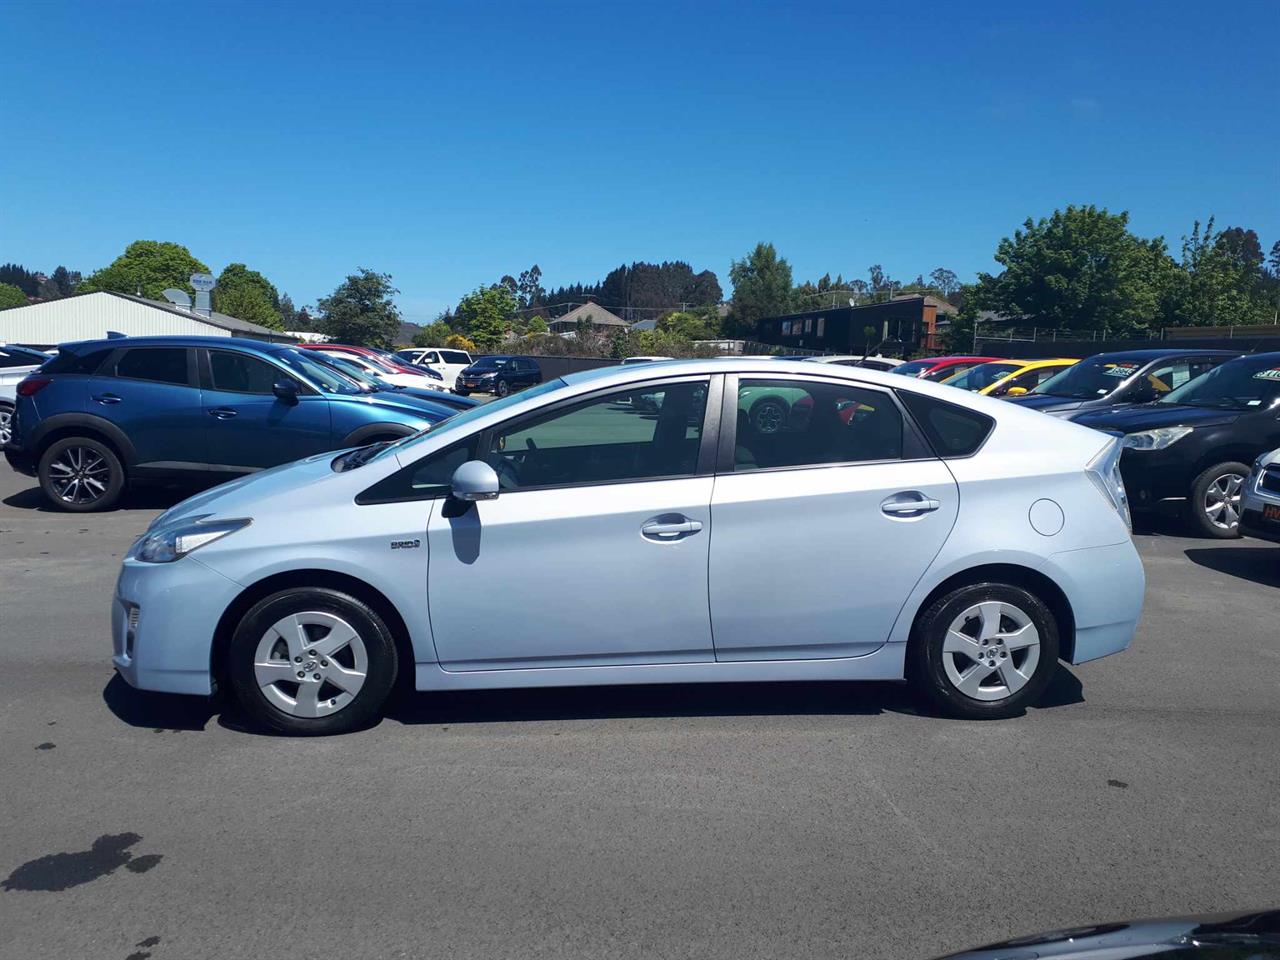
(1271, 511)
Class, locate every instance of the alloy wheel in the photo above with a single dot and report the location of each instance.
(1222, 501)
(768, 418)
(80, 475)
(991, 650)
(6, 425)
(311, 664)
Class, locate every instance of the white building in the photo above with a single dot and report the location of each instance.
(90, 316)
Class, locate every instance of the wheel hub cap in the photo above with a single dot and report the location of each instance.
(311, 664)
(991, 651)
(1222, 501)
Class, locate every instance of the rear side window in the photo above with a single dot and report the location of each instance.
(240, 373)
(454, 356)
(67, 362)
(158, 364)
(953, 431)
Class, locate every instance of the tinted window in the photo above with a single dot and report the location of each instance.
(454, 356)
(160, 364)
(794, 423)
(17, 357)
(1026, 381)
(914, 368)
(320, 374)
(1172, 375)
(68, 362)
(241, 373)
(945, 373)
(624, 436)
(983, 375)
(491, 363)
(1242, 384)
(952, 430)
(428, 478)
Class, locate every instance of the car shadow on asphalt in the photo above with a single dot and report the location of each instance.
(164, 712)
(1258, 565)
(140, 497)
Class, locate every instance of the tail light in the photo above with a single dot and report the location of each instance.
(1104, 471)
(33, 385)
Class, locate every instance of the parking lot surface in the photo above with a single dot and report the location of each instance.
(768, 820)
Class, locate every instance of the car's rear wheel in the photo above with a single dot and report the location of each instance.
(984, 651)
(81, 475)
(310, 661)
(6, 423)
(1214, 509)
(769, 415)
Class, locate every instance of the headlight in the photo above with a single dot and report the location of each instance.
(167, 544)
(489, 373)
(1156, 439)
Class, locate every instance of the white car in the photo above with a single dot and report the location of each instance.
(447, 363)
(876, 528)
(870, 363)
(15, 363)
(387, 373)
(1260, 499)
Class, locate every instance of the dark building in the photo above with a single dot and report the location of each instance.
(903, 324)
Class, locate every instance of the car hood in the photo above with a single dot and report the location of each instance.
(401, 403)
(245, 495)
(1043, 401)
(1148, 416)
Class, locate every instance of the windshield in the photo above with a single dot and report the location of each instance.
(983, 375)
(490, 363)
(1089, 379)
(318, 373)
(914, 368)
(1244, 384)
(352, 370)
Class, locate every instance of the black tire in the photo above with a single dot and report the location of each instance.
(6, 420)
(503, 388)
(364, 708)
(769, 415)
(1198, 518)
(99, 465)
(927, 670)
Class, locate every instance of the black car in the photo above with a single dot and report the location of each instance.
(1233, 936)
(1119, 379)
(499, 376)
(1192, 449)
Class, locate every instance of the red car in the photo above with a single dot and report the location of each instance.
(939, 368)
(376, 357)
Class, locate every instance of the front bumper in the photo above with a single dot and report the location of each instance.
(1260, 507)
(178, 608)
(474, 385)
(1155, 478)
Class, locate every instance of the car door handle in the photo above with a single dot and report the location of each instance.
(106, 398)
(222, 413)
(664, 529)
(908, 504)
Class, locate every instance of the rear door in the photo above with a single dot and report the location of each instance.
(247, 425)
(152, 394)
(827, 510)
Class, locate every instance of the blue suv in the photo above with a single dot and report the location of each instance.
(105, 412)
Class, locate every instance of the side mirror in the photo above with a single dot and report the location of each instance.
(1016, 392)
(285, 390)
(475, 480)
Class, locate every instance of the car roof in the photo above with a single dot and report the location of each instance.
(242, 343)
(1156, 354)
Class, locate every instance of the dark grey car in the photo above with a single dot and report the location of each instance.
(1119, 379)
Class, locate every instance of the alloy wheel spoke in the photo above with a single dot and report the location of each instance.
(990, 613)
(972, 679)
(294, 634)
(339, 636)
(957, 642)
(308, 699)
(1026, 636)
(269, 673)
(349, 681)
(1013, 679)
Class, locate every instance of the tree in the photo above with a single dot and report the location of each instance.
(147, 267)
(1222, 282)
(247, 295)
(701, 324)
(535, 327)
(19, 276)
(1080, 268)
(288, 313)
(945, 281)
(529, 288)
(11, 296)
(360, 311)
(434, 334)
(66, 281)
(486, 313)
(761, 288)
(457, 341)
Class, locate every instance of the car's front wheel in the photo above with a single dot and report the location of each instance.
(81, 474)
(309, 661)
(1214, 510)
(983, 651)
(503, 388)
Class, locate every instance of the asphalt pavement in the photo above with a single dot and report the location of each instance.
(765, 820)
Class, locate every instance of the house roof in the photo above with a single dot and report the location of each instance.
(593, 312)
(214, 319)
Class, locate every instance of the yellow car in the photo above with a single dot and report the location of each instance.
(1008, 378)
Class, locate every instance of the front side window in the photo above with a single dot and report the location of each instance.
(427, 479)
(612, 439)
(797, 423)
(241, 373)
(157, 364)
(1171, 376)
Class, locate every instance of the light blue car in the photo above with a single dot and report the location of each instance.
(564, 536)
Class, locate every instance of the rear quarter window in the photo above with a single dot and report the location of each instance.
(68, 362)
(952, 430)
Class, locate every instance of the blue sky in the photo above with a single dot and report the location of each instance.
(448, 145)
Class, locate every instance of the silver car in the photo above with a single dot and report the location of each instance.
(762, 520)
(1260, 499)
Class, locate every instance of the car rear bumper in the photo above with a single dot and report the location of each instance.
(163, 619)
(1105, 587)
(19, 459)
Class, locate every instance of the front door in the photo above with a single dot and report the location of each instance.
(248, 426)
(827, 511)
(594, 552)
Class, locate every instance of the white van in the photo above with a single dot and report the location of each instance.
(447, 363)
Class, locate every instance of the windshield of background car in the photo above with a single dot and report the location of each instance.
(1249, 383)
(913, 368)
(982, 376)
(317, 373)
(490, 363)
(350, 368)
(1089, 379)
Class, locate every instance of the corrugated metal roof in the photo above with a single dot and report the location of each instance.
(90, 316)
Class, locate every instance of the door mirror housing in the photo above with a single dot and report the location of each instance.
(475, 480)
(1016, 392)
(285, 390)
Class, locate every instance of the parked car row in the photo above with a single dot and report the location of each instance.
(15, 363)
